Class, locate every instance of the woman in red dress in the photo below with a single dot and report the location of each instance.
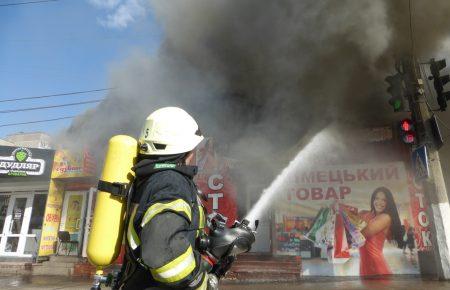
(383, 223)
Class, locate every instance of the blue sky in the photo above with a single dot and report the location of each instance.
(65, 46)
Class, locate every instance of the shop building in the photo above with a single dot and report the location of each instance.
(43, 192)
(70, 203)
(24, 184)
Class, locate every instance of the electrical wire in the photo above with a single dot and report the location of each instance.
(28, 2)
(49, 107)
(55, 95)
(37, 121)
(411, 29)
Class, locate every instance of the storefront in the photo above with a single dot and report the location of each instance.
(70, 203)
(24, 185)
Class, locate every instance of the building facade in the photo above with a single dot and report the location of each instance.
(24, 184)
(44, 192)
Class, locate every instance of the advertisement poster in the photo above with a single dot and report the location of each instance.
(215, 183)
(52, 218)
(351, 220)
(73, 217)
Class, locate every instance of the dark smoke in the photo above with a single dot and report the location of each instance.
(261, 75)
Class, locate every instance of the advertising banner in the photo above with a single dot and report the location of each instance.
(25, 162)
(350, 220)
(215, 183)
(52, 218)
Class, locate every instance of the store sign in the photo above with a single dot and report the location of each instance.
(23, 161)
(215, 183)
(421, 221)
(220, 193)
(69, 164)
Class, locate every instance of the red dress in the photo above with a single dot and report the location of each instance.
(372, 261)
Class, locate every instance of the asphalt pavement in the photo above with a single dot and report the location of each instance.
(62, 283)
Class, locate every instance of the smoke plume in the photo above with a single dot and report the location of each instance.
(261, 76)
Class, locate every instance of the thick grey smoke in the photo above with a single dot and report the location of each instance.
(261, 75)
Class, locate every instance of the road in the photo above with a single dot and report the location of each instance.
(63, 283)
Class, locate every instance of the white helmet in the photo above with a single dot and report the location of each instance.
(168, 131)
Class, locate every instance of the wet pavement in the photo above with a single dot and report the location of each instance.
(61, 283)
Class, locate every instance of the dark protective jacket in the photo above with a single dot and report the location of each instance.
(163, 229)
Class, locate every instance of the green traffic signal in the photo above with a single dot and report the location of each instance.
(397, 91)
(397, 105)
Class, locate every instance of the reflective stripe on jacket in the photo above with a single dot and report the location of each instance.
(163, 229)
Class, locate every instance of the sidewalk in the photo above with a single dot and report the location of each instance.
(63, 283)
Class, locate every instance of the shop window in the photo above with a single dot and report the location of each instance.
(37, 214)
(11, 244)
(31, 246)
(4, 201)
(18, 215)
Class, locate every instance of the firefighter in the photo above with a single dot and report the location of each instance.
(167, 217)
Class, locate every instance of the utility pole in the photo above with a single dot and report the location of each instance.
(434, 186)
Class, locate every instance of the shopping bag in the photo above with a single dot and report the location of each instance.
(325, 234)
(339, 253)
(353, 224)
(322, 230)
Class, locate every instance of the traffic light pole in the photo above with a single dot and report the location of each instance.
(434, 186)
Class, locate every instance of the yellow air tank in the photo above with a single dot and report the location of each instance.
(105, 238)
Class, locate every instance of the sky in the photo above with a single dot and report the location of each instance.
(65, 46)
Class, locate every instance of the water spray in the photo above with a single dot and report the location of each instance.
(310, 150)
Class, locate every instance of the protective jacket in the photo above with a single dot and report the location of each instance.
(163, 229)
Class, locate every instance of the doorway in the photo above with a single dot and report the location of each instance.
(72, 219)
(21, 217)
(15, 217)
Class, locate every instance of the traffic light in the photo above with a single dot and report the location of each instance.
(439, 82)
(397, 91)
(407, 131)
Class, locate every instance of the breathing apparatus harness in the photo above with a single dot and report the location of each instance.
(222, 245)
(143, 170)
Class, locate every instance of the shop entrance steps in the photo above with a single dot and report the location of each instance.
(57, 265)
(17, 268)
(255, 267)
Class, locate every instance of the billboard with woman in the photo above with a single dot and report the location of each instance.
(352, 220)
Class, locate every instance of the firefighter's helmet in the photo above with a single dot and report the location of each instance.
(168, 131)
